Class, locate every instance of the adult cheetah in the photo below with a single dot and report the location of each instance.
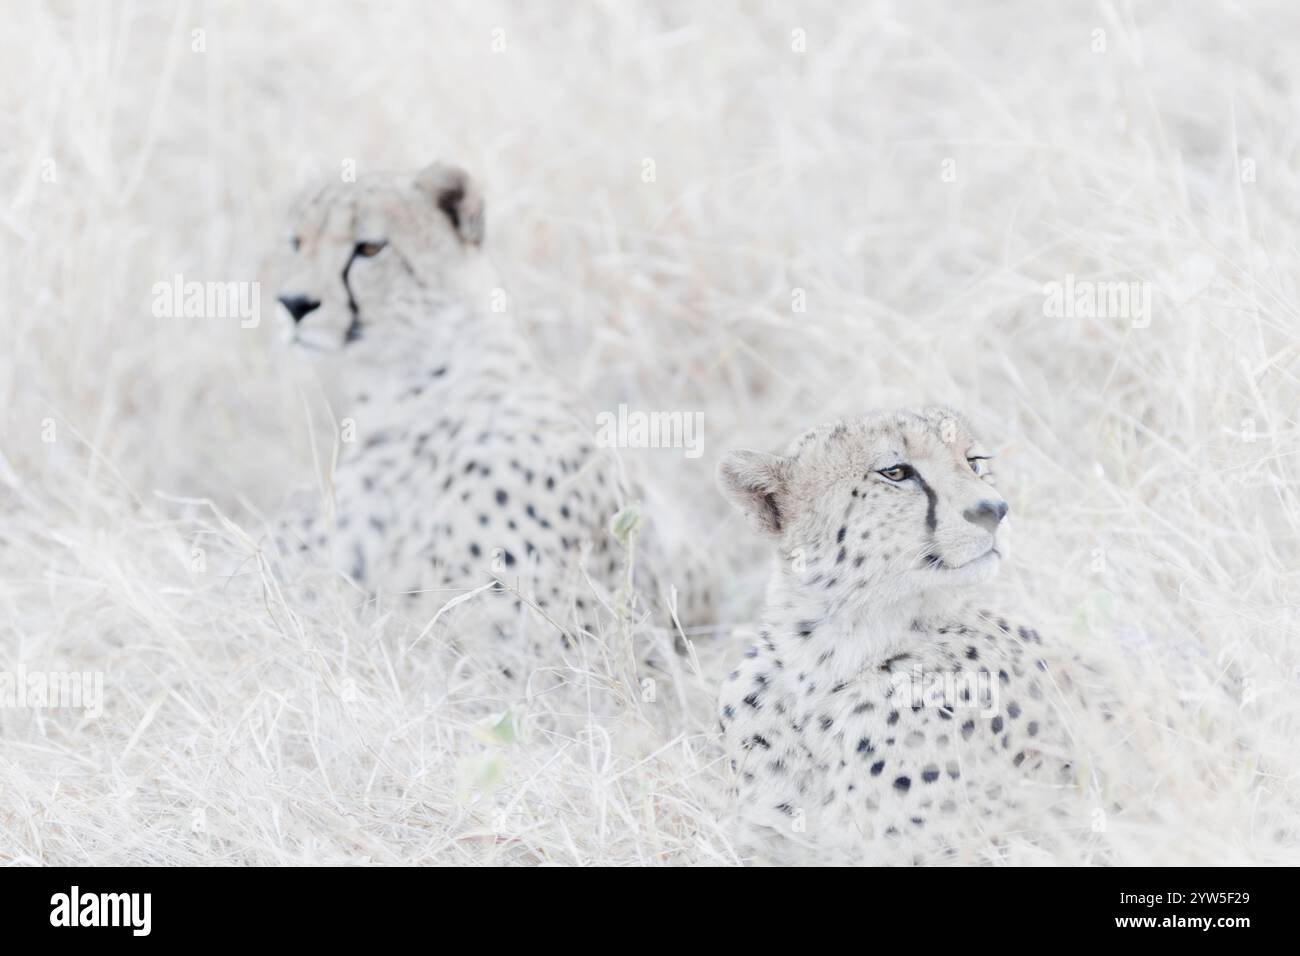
(884, 714)
(468, 467)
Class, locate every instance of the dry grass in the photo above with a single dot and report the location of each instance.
(1154, 471)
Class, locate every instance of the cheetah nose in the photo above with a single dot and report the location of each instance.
(987, 514)
(299, 305)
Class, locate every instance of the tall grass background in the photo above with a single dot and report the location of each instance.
(852, 206)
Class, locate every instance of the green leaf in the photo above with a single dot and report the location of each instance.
(625, 525)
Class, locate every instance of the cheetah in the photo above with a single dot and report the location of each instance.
(470, 469)
(884, 714)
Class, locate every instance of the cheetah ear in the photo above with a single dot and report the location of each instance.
(457, 197)
(756, 484)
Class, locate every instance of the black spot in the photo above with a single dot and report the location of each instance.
(997, 724)
(864, 746)
(876, 767)
(839, 538)
(902, 784)
(502, 497)
(930, 774)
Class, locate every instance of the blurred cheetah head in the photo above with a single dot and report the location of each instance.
(884, 507)
(370, 260)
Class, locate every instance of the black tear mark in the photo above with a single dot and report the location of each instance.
(930, 522)
(354, 327)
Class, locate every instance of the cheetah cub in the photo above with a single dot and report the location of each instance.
(468, 466)
(883, 714)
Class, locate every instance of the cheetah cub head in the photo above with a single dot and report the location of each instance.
(369, 265)
(875, 510)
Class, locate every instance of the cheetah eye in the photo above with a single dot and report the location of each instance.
(978, 463)
(897, 472)
(368, 250)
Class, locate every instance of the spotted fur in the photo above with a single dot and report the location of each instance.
(885, 714)
(469, 466)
